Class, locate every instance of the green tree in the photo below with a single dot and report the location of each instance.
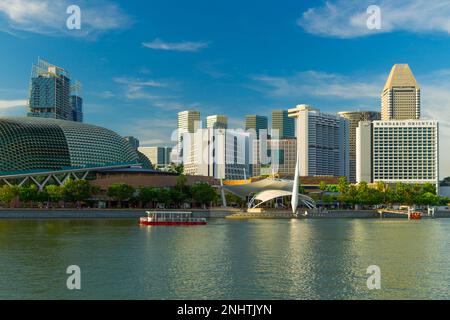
(332, 188)
(429, 199)
(147, 195)
(176, 168)
(323, 186)
(163, 197)
(383, 190)
(8, 194)
(327, 199)
(177, 197)
(120, 192)
(203, 193)
(362, 194)
(54, 193)
(429, 187)
(350, 196)
(29, 194)
(343, 185)
(234, 199)
(76, 191)
(183, 188)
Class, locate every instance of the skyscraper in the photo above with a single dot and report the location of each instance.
(282, 160)
(354, 117)
(158, 156)
(398, 151)
(217, 122)
(401, 147)
(188, 122)
(134, 142)
(219, 153)
(76, 102)
(284, 124)
(322, 142)
(50, 93)
(256, 122)
(400, 99)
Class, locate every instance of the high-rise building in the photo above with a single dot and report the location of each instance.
(363, 144)
(274, 156)
(158, 156)
(218, 153)
(398, 151)
(188, 122)
(76, 102)
(168, 155)
(134, 142)
(322, 142)
(400, 147)
(284, 124)
(400, 99)
(256, 123)
(354, 117)
(217, 122)
(50, 93)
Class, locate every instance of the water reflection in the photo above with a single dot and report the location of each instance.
(271, 259)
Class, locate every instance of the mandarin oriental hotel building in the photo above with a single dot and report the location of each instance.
(398, 151)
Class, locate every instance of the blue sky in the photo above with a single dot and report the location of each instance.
(141, 62)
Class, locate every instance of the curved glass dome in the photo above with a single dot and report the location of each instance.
(38, 143)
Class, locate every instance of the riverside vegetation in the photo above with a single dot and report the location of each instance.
(80, 193)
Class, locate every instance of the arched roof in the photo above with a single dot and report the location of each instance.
(32, 143)
(244, 190)
(268, 195)
(267, 189)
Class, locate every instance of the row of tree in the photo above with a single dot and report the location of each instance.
(380, 194)
(81, 192)
(201, 194)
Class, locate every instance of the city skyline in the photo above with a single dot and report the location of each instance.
(173, 69)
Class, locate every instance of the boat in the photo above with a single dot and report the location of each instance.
(171, 218)
(415, 215)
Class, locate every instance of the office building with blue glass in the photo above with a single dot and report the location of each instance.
(52, 94)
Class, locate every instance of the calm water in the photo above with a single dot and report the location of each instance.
(259, 259)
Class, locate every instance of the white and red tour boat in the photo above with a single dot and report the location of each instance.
(171, 218)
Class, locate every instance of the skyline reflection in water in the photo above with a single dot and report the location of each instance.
(257, 259)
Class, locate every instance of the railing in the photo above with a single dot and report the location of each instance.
(168, 218)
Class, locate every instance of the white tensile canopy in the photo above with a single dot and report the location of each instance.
(266, 190)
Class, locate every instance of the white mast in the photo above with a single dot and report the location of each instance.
(294, 200)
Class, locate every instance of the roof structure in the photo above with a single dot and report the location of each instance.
(401, 76)
(266, 190)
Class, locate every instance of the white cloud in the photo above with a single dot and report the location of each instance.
(348, 18)
(152, 131)
(137, 84)
(49, 17)
(211, 68)
(136, 88)
(187, 46)
(155, 93)
(8, 104)
(317, 84)
(105, 94)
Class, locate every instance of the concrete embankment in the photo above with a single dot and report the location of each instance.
(311, 215)
(344, 214)
(99, 213)
(197, 213)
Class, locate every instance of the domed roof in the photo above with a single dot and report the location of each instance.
(29, 143)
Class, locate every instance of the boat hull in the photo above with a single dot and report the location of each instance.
(173, 223)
